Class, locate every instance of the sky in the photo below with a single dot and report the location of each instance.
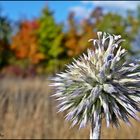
(16, 10)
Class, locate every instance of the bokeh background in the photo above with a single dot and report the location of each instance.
(38, 39)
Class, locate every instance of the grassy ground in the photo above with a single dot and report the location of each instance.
(28, 111)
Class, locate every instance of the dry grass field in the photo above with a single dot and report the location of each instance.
(28, 111)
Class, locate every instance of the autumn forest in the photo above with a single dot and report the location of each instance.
(42, 46)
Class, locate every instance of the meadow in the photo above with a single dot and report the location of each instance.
(27, 110)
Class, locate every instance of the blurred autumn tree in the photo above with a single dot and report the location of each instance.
(78, 34)
(5, 34)
(50, 37)
(25, 43)
(72, 37)
(89, 29)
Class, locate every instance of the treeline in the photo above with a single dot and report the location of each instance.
(42, 46)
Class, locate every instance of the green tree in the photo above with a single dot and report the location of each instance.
(5, 33)
(50, 37)
(138, 12)
(117, 24)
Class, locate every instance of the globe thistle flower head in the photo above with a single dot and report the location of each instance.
(99, 83)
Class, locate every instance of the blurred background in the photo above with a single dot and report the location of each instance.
(37, 39)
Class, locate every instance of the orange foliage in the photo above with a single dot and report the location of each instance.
(25, 44)
(72, 38)
(76, 41)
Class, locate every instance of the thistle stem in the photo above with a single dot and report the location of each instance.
(95, 128)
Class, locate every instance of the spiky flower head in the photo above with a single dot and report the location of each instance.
(100, 82)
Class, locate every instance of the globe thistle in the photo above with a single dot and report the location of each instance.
(100, 84)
